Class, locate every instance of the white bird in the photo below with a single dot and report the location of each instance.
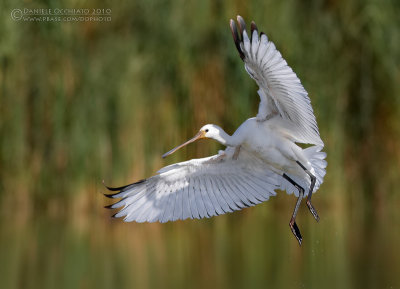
(260, 157)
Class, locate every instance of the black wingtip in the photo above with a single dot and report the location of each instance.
(253, 28)
(117, 189)
(120, 189)
(111, 196)
(236, 38)
(242, 25)
(109, 206)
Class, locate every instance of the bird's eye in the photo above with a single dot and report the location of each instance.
(206, 130)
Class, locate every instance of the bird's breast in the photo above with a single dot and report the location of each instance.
(266, 143)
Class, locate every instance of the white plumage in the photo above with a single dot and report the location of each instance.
(281, 91)
(261, 156)
(199, 188)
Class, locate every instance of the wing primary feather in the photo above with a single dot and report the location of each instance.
(252, 190)
(152, 208)
(238, 193)
(166, 204)
(172, 203)
(207, 199)
(129, 190)
(246, 195)
(263, 180)
(138, 204)
(158, 208)
(242, 25)
(236, 39)
(266, 185)
(114, 189)
(178, 210)
(116, 205)
(192, 201)
(255, 44)
(261, 185)
(262, 48)
(247, 45)
(199, 199)
(158, 204)
(185, 201)
(235, 200)
(286, 96)
(111, 196)
(130, 202)
(231, 193)
(213, 196)
(139, 212)
(221, 199)
(224, 195)
(253, 27)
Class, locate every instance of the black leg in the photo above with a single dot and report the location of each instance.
(309, 205)
(292, 223)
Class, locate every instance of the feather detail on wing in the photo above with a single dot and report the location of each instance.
(280, 90)
(199, 188)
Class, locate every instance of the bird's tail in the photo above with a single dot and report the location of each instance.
(316, 157)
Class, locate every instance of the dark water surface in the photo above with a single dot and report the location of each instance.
(253, 248)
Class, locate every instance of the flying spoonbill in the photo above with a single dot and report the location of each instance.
(261, 156)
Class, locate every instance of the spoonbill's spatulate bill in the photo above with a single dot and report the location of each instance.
(260, 157)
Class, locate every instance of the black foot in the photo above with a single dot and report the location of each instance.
(312, 210)
(296, 231)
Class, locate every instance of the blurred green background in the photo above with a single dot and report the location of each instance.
(85, 101)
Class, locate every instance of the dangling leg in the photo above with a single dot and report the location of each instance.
(292, 223)
(313, 179)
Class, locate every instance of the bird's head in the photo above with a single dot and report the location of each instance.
(208, 131)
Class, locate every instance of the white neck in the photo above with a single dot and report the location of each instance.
(226, 139)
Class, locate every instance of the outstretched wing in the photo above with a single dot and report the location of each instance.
(280, 90)
(199, 188)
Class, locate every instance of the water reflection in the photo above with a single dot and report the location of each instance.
(253, 248)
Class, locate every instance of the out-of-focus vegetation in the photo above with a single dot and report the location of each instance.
(85, 101)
